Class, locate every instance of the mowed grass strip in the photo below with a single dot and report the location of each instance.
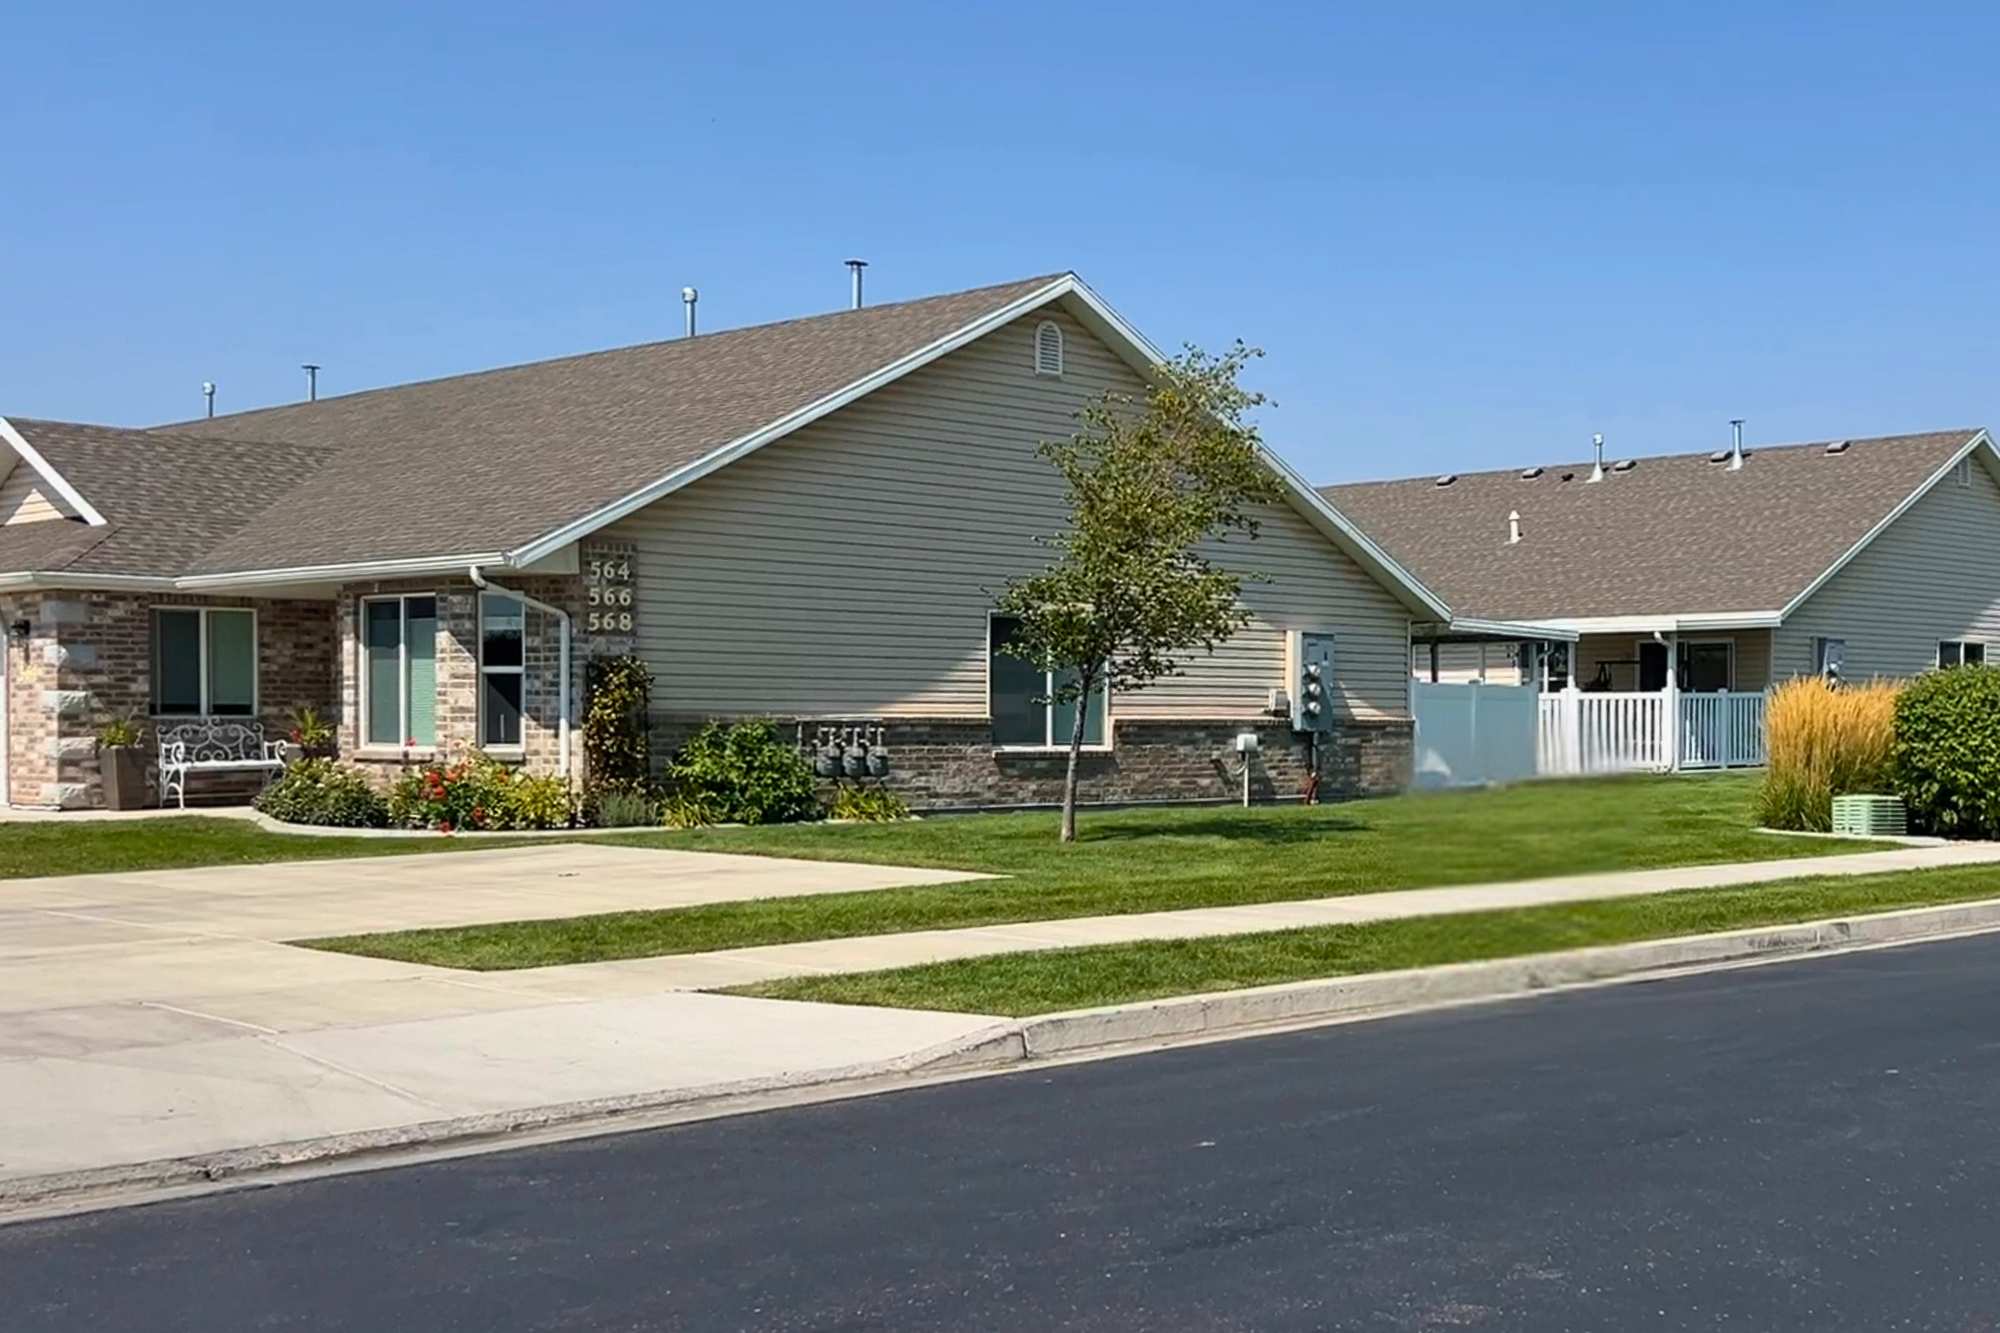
(177, 842)
(1018, 985)
(1148, 860)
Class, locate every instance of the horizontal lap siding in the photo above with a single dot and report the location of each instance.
(848, 568)
(1934, 574)
(1753, 656)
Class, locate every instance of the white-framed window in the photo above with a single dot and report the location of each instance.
(503, 660)
(1829, 657)
(399, 670)
(1962, 473)
(1961, 652)
(1048, 348)
(204, 661)
(1017, 699)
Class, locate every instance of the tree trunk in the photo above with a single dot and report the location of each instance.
(1075, 751)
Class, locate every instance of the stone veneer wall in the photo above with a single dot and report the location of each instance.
(950, 763)
(88, 660)
(458, 673)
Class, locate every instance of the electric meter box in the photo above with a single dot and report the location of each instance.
(1309, 658)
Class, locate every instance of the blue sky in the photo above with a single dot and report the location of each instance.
(1466, 235)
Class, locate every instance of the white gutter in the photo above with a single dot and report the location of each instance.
(480, 581)
(416, 567)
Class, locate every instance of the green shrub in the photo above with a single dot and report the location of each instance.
(612, 808)
(1948, 752)
(690, 810)
(867, 804)
(119, 733)
(616, 745)
(1825, 742)
(319, 791)
(471, 793)
(540, 802)
(742, 774)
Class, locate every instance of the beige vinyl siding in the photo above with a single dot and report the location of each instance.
(1621, 651)
(848, 569)
(1461, 663)
(25, 499)
(1933, 574)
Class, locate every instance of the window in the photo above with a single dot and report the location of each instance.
(1048, 348)
(1017, 697)
(502, 669)
(1829, 657)
(204, 662)
(1962, 473)
(1960, 652)
(399, 670)
(1707, 666)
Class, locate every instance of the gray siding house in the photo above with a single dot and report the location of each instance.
(806, 521)
(1740, 567)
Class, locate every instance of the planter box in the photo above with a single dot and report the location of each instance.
(1870, 816)
(123, 770)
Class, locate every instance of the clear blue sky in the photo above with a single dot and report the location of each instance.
(1467, 235)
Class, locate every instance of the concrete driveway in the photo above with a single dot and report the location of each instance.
(159, 1014)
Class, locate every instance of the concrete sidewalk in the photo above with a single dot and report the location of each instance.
(736, 967)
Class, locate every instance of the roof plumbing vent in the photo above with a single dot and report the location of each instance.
(312, 381)
(1514, 528)
(688, 297)
(1736, 444)
(208, 394)
(1597, 468)
(855, 266)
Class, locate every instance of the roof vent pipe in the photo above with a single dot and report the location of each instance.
(855, 266)
(1597, 469)
(688, 297)
(312, 381)
(208, 394)
(1514, 528)
(1736, 444)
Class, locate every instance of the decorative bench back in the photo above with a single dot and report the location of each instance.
(213, 741)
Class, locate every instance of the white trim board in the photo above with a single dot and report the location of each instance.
(32, 456)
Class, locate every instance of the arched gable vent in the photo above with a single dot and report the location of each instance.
(1048, 348)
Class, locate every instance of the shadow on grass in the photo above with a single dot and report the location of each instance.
(1227, 825)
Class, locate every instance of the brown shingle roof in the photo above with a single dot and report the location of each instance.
(1675, 535)
(488, 462)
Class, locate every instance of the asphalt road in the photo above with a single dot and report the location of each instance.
(1813, 1146)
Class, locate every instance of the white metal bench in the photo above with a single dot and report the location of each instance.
(213, 745)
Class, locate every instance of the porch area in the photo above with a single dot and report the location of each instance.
(1585, 732)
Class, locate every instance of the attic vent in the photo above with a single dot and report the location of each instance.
(1530, 473)
(1048, 348)
(1962, 474)
(1447, 479)
(1838, 446)
(1625, 465)
(1719, 456)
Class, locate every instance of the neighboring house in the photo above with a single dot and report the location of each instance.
(1867, 557)
(805, 520)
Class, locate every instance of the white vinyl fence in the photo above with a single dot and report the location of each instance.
(1649, 731)
(1473, 733)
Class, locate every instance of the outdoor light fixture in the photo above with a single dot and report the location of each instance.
(18, 631)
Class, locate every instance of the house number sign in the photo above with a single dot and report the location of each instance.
(608, 593)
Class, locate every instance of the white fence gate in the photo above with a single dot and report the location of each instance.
(1473, 733)
(1649, 731)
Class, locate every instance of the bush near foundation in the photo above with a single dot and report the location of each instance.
(741, 774)
(1825, 742)
(1948, 752)
(479, 794)
(319, 791)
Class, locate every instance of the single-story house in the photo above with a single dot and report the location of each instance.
(806, 521)
(1714, 572)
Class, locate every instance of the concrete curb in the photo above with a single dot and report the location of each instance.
(1072, 1034)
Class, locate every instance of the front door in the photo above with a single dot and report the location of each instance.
(1705, 667)
(1652, 665)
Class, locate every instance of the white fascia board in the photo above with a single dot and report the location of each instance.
(1979, 441)
(1094, 313)
(28, 579)
(1506, 629)
(15, 441)
(1666, 624)
(415, 567)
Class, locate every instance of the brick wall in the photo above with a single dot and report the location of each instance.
(950, 763)
(88, 661)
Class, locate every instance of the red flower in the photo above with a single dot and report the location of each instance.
(444, 826)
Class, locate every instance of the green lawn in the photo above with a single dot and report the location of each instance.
(1037, 983)
(86, 847)
(1150, 860)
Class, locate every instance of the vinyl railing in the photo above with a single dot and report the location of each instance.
(1648, 731)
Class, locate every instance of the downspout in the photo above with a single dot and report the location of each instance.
(480, 581)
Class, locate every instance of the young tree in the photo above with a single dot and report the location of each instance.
(1151, 482)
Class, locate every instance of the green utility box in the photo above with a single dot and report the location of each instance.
(1870, 816)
